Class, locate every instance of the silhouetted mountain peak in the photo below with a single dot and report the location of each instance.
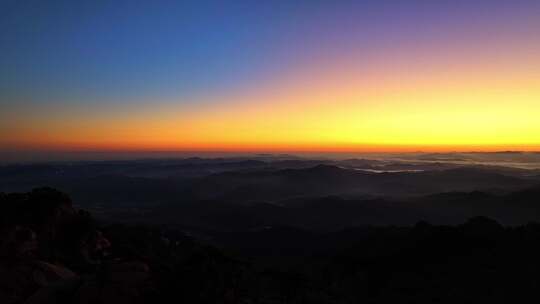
(323, 168)
(481, 226)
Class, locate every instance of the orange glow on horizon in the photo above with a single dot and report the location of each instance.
(449, 101)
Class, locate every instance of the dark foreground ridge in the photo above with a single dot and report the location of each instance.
(52, 253)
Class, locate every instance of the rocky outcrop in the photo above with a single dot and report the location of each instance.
(52, 253)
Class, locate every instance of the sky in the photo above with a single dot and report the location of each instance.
(375, 75)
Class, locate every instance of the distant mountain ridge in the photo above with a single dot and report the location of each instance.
(243, 180)
(331, 180)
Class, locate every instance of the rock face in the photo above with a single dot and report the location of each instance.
(52, 253)
(45, 242)
(41, 239)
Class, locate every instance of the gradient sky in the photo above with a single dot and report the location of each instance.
(270, 75)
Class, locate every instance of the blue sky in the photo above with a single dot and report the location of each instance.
(121, 49)
(117, 50)
(99, 69)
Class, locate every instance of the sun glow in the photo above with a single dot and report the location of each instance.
(454, 94)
